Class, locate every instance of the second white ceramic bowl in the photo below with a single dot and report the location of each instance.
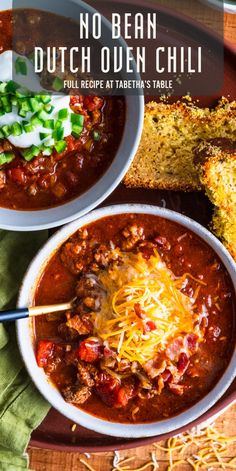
(57, 216)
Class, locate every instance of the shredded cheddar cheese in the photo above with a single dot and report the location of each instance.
(88, 466)
(151, 286)
(198, 449)
(210, 446)
(203, 447)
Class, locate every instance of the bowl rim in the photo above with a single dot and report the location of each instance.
(48, 218)
(38, 376)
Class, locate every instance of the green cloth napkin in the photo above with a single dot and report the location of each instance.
(22, 408)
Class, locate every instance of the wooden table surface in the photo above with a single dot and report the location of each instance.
(44, 460)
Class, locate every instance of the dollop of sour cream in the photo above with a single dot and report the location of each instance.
(31, 82)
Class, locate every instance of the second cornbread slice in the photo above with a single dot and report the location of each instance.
(165, 158)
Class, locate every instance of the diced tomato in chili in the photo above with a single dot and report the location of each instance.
(139, 312)
(93, 103)
(107, 388)
(149, 326)
(124, 394)
(89, 351)
(17, 175)
(44, 351)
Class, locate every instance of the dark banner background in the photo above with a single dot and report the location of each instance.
(175, 29)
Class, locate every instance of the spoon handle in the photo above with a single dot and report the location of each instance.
(14, 315)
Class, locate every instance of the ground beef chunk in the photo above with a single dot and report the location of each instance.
(162, 242)
(82, 325)
(90, 292)
(132, 235)
(86, 286)
(76, 394)
(86, 374)
(73, 254)
(147, 249)
(67, 333)
(104, 255)
(52, 365)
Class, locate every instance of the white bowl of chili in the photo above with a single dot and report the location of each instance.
(101, 134)
(173, 371)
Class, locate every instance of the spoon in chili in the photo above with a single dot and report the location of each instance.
(27, 312)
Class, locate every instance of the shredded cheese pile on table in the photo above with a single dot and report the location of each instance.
(197, 450)
(151, 286)
(211, 450)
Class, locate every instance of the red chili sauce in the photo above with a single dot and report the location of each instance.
(48, 181)
(76, 361)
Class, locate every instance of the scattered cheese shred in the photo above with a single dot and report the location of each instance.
(210, 446)
(88, 466)
(151, 286)
(205, 449)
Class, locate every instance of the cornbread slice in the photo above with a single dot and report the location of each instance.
(216, 161)
(165, 158)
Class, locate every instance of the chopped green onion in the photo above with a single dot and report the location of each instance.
(6, 130)
(11, 86)
(35, 104)
(45, 99)
(14, 101)
(49, 142)
(35, 121)
(42, 115)
(96, 136)
(30, 153)
(58, 134)
(60, 146)
(58, 124)
(6, 157)
(57, 84)
(6, 104)
(43, 135)
(16, 129)
(76, 131)
(28, 127)
(49, 124)
(63, 114)
(21, 66)
(24, 104)
(47, 150)
(22, 113)
(22, 93)
(49, 108)
(77, 119)
(3, 86)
